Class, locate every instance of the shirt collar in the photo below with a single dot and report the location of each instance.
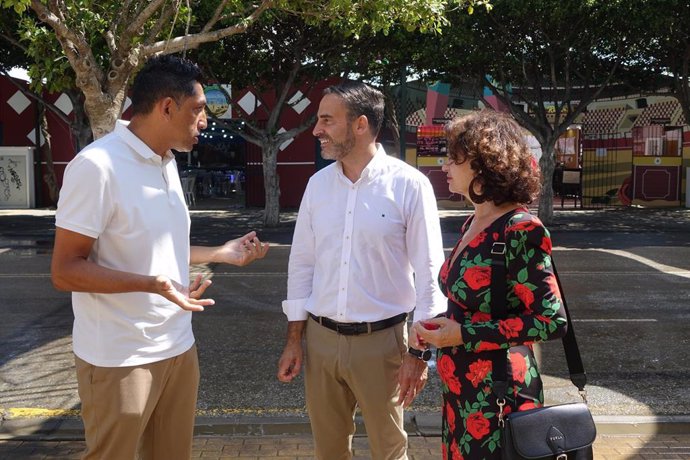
(376, 165)
(373, 168)
(139, 146)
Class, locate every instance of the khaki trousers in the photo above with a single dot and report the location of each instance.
(346, 371)
(140, 412)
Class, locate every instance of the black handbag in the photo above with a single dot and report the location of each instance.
(561, 432)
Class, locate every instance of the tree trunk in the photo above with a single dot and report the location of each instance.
(102, 113)
(81, 129)
(49, 177)
(391, 119)
(547, 164)
(269, 154)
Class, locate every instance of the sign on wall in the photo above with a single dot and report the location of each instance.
(17, 177)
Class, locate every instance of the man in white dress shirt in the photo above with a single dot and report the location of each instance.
(366, 252)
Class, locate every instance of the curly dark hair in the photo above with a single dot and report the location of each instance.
(495, 146)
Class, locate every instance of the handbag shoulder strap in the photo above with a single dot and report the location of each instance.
(499, 310)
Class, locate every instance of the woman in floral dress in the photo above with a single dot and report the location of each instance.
(492, 166)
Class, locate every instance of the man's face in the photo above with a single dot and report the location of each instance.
(334, 129)
(188, 120)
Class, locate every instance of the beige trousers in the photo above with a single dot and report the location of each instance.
(343, 372)
(140, 412)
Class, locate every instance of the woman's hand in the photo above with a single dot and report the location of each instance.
(439, 332)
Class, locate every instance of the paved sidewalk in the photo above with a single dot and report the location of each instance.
(293, 447)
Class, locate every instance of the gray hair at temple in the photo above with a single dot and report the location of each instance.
(361, 99)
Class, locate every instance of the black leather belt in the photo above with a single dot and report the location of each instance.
(358, 328)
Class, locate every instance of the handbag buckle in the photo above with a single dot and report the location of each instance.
(501, 417)
(562, 457)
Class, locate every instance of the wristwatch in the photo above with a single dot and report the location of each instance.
(424, 355)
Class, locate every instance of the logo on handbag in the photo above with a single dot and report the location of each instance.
(555, 439)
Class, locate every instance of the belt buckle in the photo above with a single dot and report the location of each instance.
(346, 329)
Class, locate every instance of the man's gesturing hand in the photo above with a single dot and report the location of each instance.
(242, 251)
(186, 298)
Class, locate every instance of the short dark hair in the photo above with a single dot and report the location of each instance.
(161, 77)
(495, 145)
(361, 99)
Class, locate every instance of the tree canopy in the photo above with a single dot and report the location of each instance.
(544, 60)
(105, 41)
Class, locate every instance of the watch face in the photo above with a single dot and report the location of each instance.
(426, 355)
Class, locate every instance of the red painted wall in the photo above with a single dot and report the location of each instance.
(296, 163)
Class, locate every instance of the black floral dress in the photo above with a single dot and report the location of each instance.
(470, 413)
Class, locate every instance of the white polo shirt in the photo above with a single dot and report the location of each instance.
(118, 191)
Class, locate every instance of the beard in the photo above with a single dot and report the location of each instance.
(338, 150)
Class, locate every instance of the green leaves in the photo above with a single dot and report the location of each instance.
(19, 6)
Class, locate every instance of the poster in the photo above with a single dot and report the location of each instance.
(16, 177)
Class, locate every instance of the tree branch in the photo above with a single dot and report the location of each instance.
(216, 16)
(194, 40)
(75, 47)
(14, 42)
(140, 20)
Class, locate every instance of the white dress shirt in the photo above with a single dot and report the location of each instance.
(368, 250)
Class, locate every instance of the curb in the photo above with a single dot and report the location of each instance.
(426, 425)
(429, 425)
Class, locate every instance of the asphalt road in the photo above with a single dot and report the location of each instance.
(626, 274)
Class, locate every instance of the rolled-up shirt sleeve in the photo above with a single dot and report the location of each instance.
(301, 264)
(425, 249)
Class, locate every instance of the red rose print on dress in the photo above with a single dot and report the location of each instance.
(521, 226)
(527, 406)
(454, 385)
(510, 327)
(553, 285)
(519, 366)
(455, 452)
(444, 271)
(450, 417)
(477, 425)
(546, 245)
(477, 277)
(446, 368)
(478, 371)
(488, 346)
(479, 239)
(525, 295)
(543, 319)
(480, 317)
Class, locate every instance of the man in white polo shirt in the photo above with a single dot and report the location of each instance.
(122, 247)
(366, 252)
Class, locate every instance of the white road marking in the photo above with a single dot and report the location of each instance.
(663, 268)
(616, 320)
